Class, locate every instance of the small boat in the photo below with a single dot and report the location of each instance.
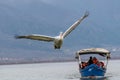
(95, 68)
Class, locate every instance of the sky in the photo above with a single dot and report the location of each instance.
(49, 17)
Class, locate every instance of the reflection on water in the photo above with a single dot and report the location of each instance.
(95, 78)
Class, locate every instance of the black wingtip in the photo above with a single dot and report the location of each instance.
(18, 37)
(86, 14)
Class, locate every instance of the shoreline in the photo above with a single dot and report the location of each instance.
(53, 61)
(35, 62)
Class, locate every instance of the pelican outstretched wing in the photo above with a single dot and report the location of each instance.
(36, 37)
(71, 28)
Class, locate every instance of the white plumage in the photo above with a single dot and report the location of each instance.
(58, 40)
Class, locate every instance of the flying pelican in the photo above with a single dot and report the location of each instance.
(58, 40)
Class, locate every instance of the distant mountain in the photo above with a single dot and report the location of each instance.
(20, 17)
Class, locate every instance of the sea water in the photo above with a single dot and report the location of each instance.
(53, 71)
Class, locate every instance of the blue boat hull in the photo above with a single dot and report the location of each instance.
(92, 70)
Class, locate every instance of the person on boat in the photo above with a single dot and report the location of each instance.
(95, 61)
(90, 61)
(98, 63)
(102, 64)
(83, 65)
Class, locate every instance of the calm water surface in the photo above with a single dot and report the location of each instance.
(53, 71)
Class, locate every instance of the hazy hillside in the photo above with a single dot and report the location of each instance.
(49, 17)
